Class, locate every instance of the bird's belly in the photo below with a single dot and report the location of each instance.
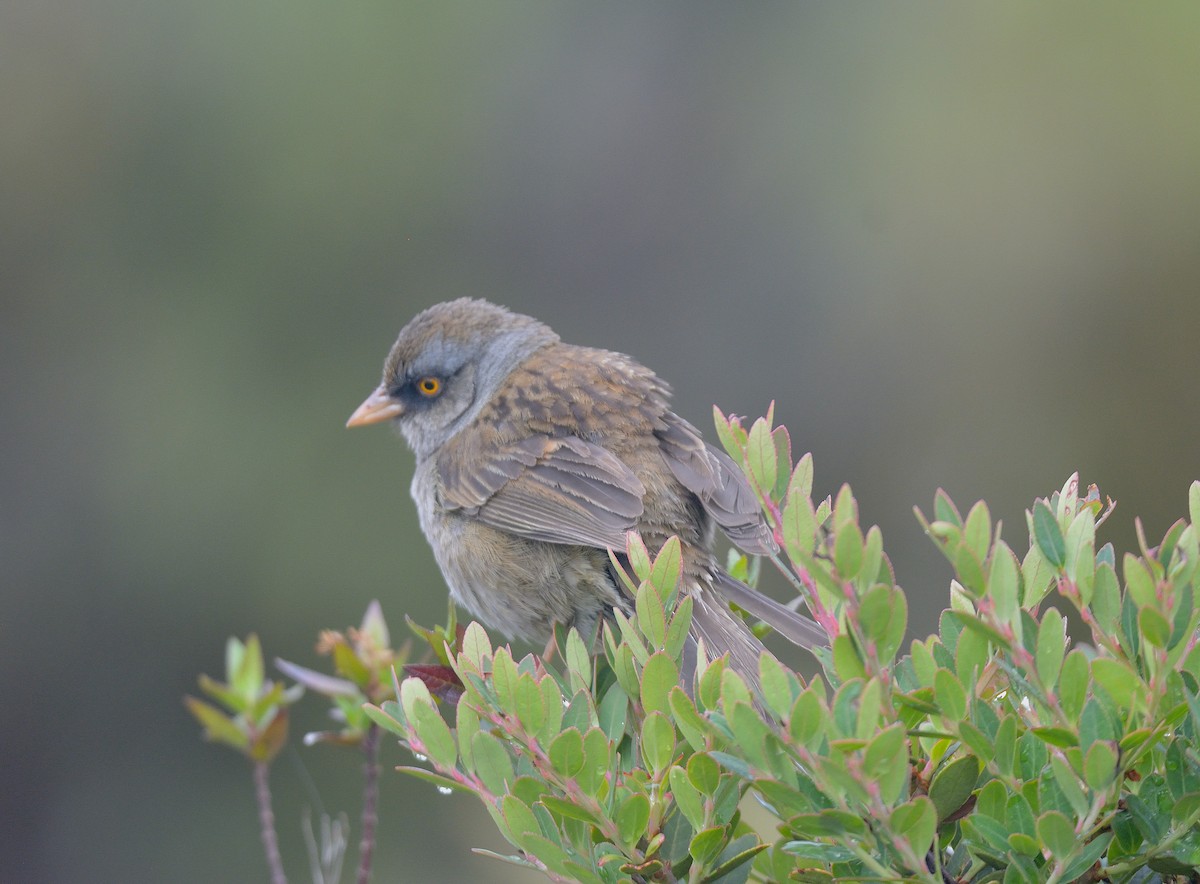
(517, 586)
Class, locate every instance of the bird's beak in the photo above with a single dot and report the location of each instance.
(377, 407)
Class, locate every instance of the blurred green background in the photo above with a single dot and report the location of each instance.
(959, 244)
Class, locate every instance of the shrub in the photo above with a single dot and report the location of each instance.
(995, 749)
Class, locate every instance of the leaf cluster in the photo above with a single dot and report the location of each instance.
(995, 749)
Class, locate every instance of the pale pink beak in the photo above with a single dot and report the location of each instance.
(376, 408)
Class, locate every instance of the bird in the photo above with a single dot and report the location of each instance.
(535, 458)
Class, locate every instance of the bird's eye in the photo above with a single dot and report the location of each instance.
(429, 386)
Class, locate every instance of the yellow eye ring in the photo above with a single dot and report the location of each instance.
(429, 386)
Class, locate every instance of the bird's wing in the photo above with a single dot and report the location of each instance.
(716, 480)
(557, 490)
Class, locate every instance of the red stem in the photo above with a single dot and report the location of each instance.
(266, 820)
(370, 811)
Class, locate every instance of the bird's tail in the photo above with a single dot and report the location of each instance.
(724, 632)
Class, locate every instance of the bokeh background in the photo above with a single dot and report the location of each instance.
(958, 244)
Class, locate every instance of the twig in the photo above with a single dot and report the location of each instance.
(370, 810)
(266, 820)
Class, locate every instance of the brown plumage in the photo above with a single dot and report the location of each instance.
(535, 457)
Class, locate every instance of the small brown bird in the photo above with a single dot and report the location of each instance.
(535, 457)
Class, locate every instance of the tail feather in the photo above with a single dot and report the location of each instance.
(799, 630)
(724, 632)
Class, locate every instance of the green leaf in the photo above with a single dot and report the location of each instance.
(783, 461)
(761, 456)
(732, 865)
(845, 509)
(631, 635)
(1097, 723)
(734, 764)
(1091, 853)
(694, 727)
(658, 741)
(552, 704)
(1003, 583)
(818, 852)
(246, 674)
(875, 612)
(1051, 645)
(1106, 598)
(665, 571)
(806, 723)
(579, 662)
(551, 854)
(1154, 627)
(916, 820)
(885, 751)
(218, 727)
(613, 711)
(580, 713)
(950, 695)
(706, 845)
(953, 784)
(802, 476)
(992, 801)
(970, 655)
(984, 831)
(1049, 536)
(944, 509)
(518, 819)
(977, 530)
(346, 663)
(1058, 737)
(704, 773)
(677, 630)
(658, 677)
(597, 759)
(475, 645)
(528, 706)
(779, 687)
(730, 434)
(388, 722)
(491, 762)
(631, 818)
(846, 660)
(1018, 815)
(504, 678)
(686, 797)
(1057, 833)
(733, 690)
(1036, 573)
(1069, 784)
(433, 732)
(1178, 774)
(848, 550)
(1118, 679)
(1138, 581)
(436, 779)
(566, 753)
(638, 555)
(1073, 683)
(1100, 765)
(923, 664)
(799, 525)
(651, 618)
(1006, 746)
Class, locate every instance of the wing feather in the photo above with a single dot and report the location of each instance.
(718, 483)
(557, 490)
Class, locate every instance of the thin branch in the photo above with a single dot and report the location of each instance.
(370, 809)
(266, 820)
